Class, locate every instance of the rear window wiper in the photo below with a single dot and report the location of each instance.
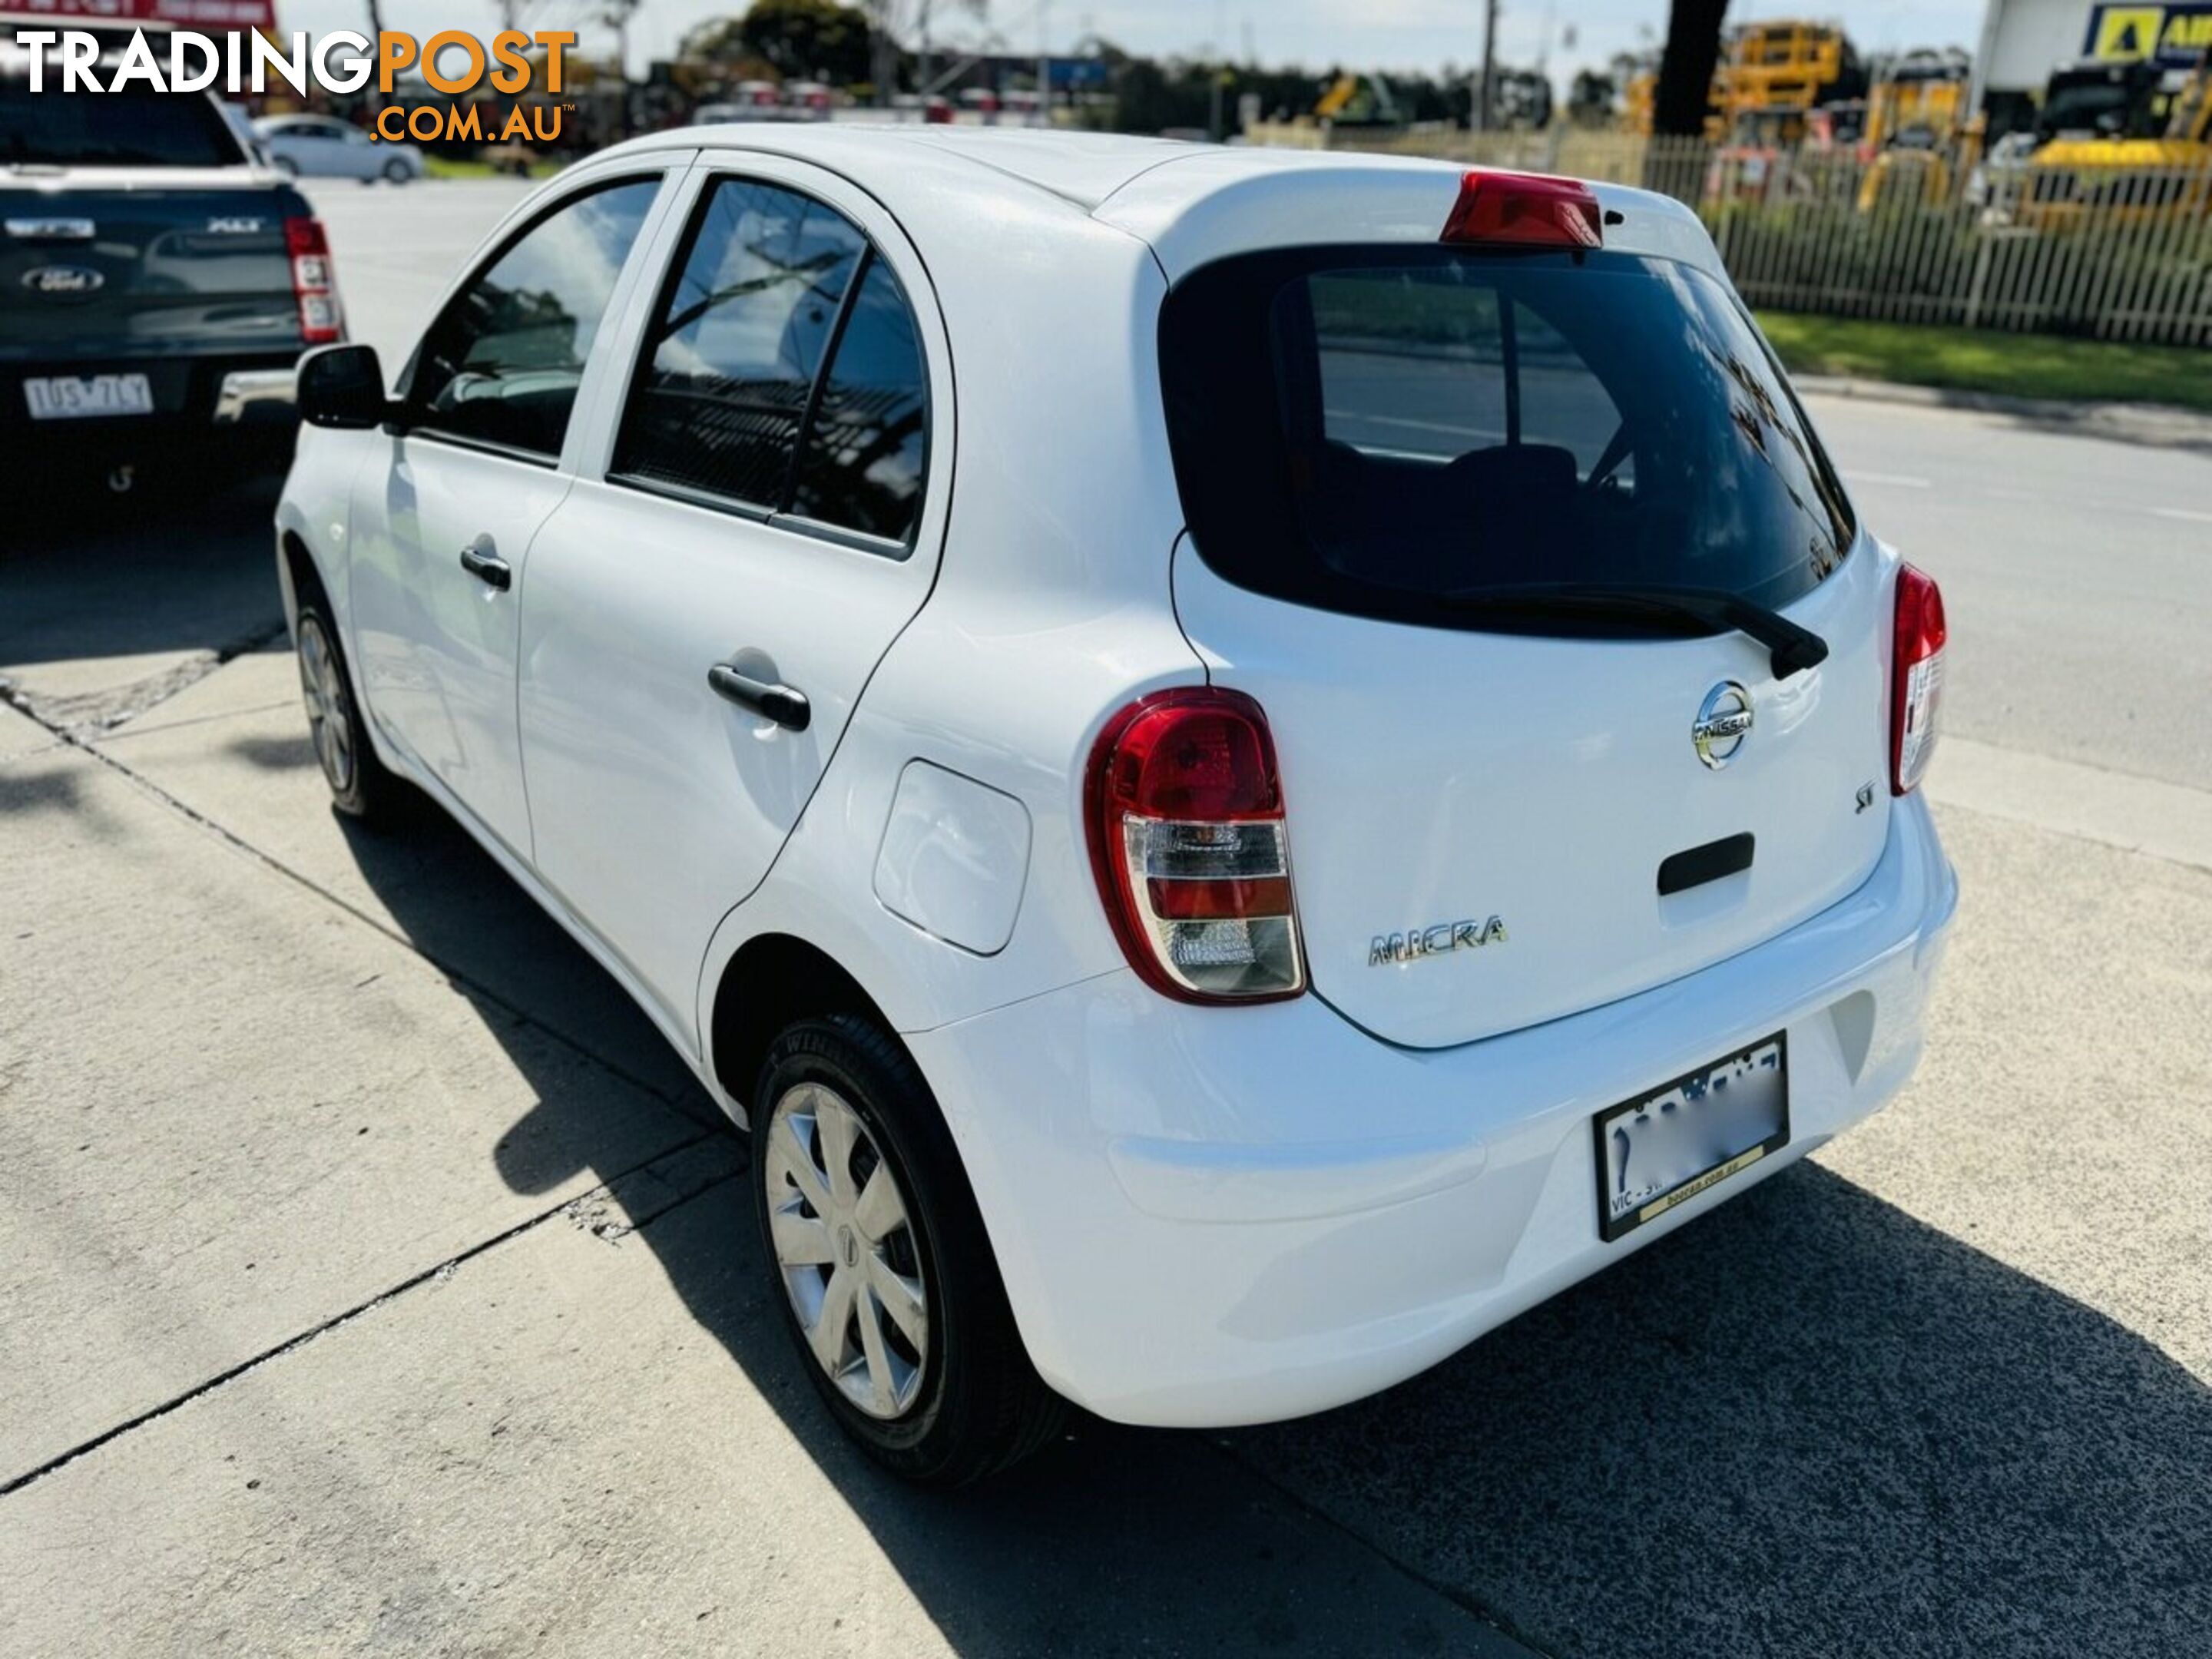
(1792, 648)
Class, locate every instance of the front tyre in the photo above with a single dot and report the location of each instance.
(883, 1268)
(360, 786)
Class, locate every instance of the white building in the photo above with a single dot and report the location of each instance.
(2023, 40)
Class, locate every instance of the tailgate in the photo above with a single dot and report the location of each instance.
(1437, 780)
(1458, 519)
(117, 274)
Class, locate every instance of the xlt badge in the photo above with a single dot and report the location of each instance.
(1439, 940)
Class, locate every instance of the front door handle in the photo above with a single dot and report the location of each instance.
(486, 567)
(786, 705)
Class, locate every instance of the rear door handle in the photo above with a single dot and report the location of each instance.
(486, 567)
(786, 705)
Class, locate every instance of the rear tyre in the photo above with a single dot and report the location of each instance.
(360, 786)
(396, 172)
(881, 1264)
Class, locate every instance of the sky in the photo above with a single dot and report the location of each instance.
(1386, 34)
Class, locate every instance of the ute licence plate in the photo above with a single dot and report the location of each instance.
(1664, 1148)
(77, 396)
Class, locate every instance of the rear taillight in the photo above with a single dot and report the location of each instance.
(1916, 688)
(312, 285)
(1187, 839)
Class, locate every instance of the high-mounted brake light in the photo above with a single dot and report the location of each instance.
(1188, 843)
(1916, 691)
(1529, 209)
(312, 285)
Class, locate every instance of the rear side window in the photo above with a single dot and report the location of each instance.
(1383, 431)
(135, 127)
(502, 363)
(861, 465)
(783, 374)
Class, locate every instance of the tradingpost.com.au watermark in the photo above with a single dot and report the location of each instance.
(341, 63)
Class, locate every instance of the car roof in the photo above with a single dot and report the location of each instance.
(1189, 202)
(1081, 169)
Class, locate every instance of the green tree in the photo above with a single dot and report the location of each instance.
(801, 39)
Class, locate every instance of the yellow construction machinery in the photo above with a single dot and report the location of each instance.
(1776, 86)
(1358, 100)
(1767, 71)
(2120, 143)
(1916, 121)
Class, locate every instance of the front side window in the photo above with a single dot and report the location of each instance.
(502, 363)
(1396, 431)
(783, 374)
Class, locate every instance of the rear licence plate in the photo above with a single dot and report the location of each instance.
(74, 396)
(1664, 1148)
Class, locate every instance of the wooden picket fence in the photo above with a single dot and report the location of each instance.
(2118, 254)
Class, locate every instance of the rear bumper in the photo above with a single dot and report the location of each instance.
(257, 397)
(225, 398)
(1208, 1217)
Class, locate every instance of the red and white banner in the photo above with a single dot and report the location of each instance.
(123, 13)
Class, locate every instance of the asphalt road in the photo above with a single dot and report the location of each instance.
(370, 1274)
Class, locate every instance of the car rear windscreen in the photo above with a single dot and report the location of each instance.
(135, 127)
(1384, 430)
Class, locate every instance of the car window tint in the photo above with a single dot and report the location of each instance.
(1563, 402)
(129, 126)
(861, 467)
(730, 362)
(1388, 431)
(1373, 332)
(502, 363)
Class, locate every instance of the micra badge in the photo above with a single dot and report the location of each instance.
(1441, 939)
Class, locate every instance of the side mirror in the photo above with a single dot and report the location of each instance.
(342, 387)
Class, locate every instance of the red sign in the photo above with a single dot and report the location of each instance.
(123, 13)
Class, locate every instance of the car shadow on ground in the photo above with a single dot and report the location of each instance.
(1807, 1423)
(186, 565)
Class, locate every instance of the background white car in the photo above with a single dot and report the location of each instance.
(319, 147)
(1353, 765)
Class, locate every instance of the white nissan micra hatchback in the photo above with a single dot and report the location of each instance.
(1241, 764)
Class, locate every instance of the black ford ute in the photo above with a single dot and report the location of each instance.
(157, 286)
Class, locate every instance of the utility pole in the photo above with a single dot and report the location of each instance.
(375, 36)
(1486, 91)
(1044, 61)
(1219, 53)
(619, 16)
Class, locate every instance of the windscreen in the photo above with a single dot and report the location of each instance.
(135, 127)
(1385, 431)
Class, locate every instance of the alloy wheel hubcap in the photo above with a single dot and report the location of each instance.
(846, 1250)
(330, 723)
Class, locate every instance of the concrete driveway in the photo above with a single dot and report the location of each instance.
(370, 1274)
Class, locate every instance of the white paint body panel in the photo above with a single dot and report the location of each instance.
(1465, 1180)
(1548, 796)
(437, 647)
(955, 854)
(1202, 1215)
(662, 805)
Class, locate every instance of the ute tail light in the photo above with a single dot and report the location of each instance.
(1189, 841)
(1528, 208)
(1916, 691)
(312, 284)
